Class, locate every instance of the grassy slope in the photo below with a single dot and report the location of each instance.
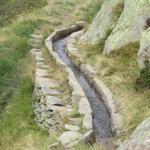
(119, 71)
(17, 129)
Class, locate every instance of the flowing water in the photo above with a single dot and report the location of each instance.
(101, 117)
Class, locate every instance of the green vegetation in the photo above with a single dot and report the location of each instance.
(144, 78)
(17, 128)
(89, 147)
(117, 10)
(119, 71)
(88, 12)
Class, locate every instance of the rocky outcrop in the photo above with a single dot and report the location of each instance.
(144, 52)
(140, 139)
(133, 21)
(104, 22)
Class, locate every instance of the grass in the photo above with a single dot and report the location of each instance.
(10, 9)
(119, 71)
(117, 10)
(17, 128)
(89, 147)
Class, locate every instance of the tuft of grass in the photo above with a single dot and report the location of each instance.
(117, 10)
(144, 78)
(119, 72)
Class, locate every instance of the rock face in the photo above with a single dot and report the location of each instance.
(133, 21)
(104, 22)
(140, 139)
(144, 52)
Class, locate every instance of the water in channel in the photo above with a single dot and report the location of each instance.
(101, 118)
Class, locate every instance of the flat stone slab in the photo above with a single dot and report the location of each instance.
(48, 91)
(71, 127)
(53, 100)
(41, 72)
(39, 58)
(84, 106)
(87, 122)
(69, 137)
(36, 36)
(38, 63)
(33, 50)
(75, 121)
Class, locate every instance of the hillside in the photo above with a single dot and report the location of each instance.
(97, 99)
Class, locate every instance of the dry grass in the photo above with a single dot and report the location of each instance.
(17, 128)
(119, 71)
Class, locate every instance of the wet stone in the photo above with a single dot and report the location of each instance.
(45, 83)
(84, 106)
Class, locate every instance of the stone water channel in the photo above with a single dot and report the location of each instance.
(101, 116)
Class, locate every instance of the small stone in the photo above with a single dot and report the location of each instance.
(43, 116)
(53, 100)
(84, 106)
(54, 145)
(87, 122)
(75, 121)
(36, 36)
(71, 127)
(69, 137)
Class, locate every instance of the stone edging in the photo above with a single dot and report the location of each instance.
(101, 89)
(77, 94)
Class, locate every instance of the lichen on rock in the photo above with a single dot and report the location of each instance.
(140, 139)
(104, 22)
(131, 24)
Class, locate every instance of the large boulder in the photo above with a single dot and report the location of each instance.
(131, 24)
(140, 139)
(144, 52)
(104, 22)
